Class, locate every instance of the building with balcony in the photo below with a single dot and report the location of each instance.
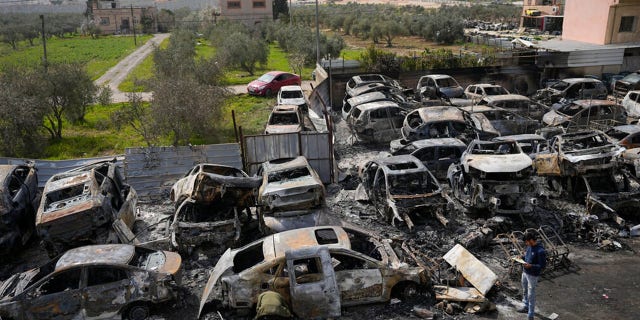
(246, 11)
(544, 15)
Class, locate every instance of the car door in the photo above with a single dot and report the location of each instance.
(107, 290)
(314, 291)
(56, 297)
(446, 155)
(380, 124)
(359, 280)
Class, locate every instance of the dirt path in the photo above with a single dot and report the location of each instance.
(114, 76)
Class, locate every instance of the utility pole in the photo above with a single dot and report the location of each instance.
(290, 16)
(133, 26)
(317, 35)
(44, 45)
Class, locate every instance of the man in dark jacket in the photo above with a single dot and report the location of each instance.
(535, 259)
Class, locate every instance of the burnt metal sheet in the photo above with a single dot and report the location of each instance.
(152, 171)
(464, 294)
(314, 146)
(478, 274)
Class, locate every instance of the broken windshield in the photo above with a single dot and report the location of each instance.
(494, 91)
(410, 184)
(507, 147)
(588, 142)
(570, 109)
(284, 119)
(289, 174)
(560, 85)
(446, 82)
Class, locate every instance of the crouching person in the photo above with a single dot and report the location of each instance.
(271, 306)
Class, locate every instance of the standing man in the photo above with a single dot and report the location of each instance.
(535, 259)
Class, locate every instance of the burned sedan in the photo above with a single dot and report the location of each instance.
(93, 282)
(316, 270)
(212, 205)
(436, 154)
(285, 119)
(584, 112)
(291, 196)
(516, 103)
(79, 206)
(376, 121)
(505, 121)
(531, 144)
(19, 200)
(494, 176)
(446, 122)
(627, 136)
(401, 187)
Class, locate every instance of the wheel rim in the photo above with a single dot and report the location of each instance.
(138, 313)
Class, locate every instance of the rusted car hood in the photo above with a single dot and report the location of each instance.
(609, 151)
(239, 187)
(290, 186)
(553, 118)
(224, 263)
(497, 163)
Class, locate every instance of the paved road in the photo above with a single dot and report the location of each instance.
(114, 76)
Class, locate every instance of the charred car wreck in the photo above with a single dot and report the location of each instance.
(19, 199)
(291, 196)
(94, 282)
(494, 176)
(316, 270)
(583, 166)
(81, 205)
(401, 187)
(213, 203)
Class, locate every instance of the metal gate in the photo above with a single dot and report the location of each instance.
(315, 146)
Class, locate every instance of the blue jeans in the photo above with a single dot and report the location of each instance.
(529, 283)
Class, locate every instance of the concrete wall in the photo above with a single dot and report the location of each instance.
(616, 14)
(249, 12)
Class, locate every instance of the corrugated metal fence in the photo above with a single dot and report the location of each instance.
(47, 168)
(315, 146)
(152, 171)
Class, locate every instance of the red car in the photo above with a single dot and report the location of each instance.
(270, 82)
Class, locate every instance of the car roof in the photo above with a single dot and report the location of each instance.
(102, 254)
(425, 143)
(576, 80)
(438, 76)
(485, 85)
(505, 97)
(520, 137)
(276, 73)
(592, 102)
(285, 108)
(299, 161)
(629, 128)
(276, 245)
(440, 113)
(371, 87)
(377, 104)
(388, 164)
(480, 108)
(291, 88)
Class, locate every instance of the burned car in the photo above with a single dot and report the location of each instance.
(99, 281)
(584, 112)
(81, 205)
(630, 159)
(212, 205)
(436, 86)
(316, 270)
(505, 121)
(376, 121)
(291, 196)
(285, 119)
(395, 96)
(516, 103)
(446, 122)
(627, 136)
(293, 95)
(401, 188)
(436, 154)
(494, 176)
(626, 84)
(20, 200)
(478, 91)
(572, 89)
(607, 195)
(359, 81)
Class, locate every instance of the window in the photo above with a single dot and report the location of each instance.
(307, 270)
(104, 275)
(233, 4)
(104, 21)
(259, 4)
(66, 280)
(344, 262)
(627, 24)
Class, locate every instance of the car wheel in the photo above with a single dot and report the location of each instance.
(405, 290)
(268, 93)
(138, 311)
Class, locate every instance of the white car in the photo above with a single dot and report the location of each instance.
(631, 103)
(292, 95)
(478, 91)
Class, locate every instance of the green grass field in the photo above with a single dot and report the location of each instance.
(99, 54)
(141, 72)
(98, 136)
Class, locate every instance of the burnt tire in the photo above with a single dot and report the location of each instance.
(268, 93)
(138, 311)
(405, 290)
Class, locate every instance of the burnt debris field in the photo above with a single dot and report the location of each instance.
(433, 190)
